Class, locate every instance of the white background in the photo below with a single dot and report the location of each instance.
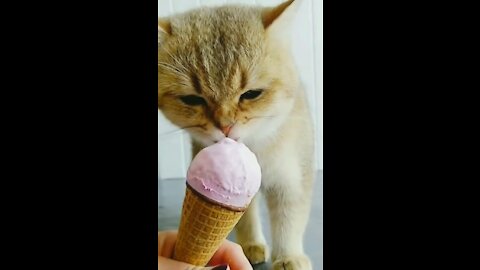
(174, 145)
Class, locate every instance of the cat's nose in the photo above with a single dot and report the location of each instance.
(226, 129)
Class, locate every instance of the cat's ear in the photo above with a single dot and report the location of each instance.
(164, 29)
(281, 14)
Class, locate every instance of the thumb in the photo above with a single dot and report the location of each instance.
(169, 264)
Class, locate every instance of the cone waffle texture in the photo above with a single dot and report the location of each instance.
(203, 227)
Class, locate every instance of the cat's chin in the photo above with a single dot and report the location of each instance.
(205, 141)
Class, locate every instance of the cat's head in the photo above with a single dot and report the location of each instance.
(227, 71)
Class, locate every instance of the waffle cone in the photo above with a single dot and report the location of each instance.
(203, 226)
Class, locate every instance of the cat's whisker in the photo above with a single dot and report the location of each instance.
(181, 129)
(170, 132)
(202, 126)
(263, 116)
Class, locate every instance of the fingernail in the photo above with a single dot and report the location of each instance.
(221, 267)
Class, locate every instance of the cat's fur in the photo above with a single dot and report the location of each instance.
(219, 54)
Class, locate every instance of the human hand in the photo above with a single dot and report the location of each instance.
(228, 256)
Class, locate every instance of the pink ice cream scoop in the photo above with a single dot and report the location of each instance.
(226, 172)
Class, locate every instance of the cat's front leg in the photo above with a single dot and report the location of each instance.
(250, 235)
(289, 203)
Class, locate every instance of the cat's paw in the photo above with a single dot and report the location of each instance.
(256, 253)
(300, 262)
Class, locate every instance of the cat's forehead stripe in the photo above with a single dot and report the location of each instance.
(243, 81)
(196, 84)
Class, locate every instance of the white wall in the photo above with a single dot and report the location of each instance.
(173, 145)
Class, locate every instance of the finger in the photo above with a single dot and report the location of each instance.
(166, 243)
(232, 254)
(169, 264)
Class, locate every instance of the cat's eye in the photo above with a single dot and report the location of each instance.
(193, 100)
(251, 94)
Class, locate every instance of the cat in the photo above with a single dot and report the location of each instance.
(228, 72)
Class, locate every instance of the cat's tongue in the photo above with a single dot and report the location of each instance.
(226, 172)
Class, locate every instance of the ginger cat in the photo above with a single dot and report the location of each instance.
(228, 71)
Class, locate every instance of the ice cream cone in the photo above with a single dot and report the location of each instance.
(203, 226)
(221, 182)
